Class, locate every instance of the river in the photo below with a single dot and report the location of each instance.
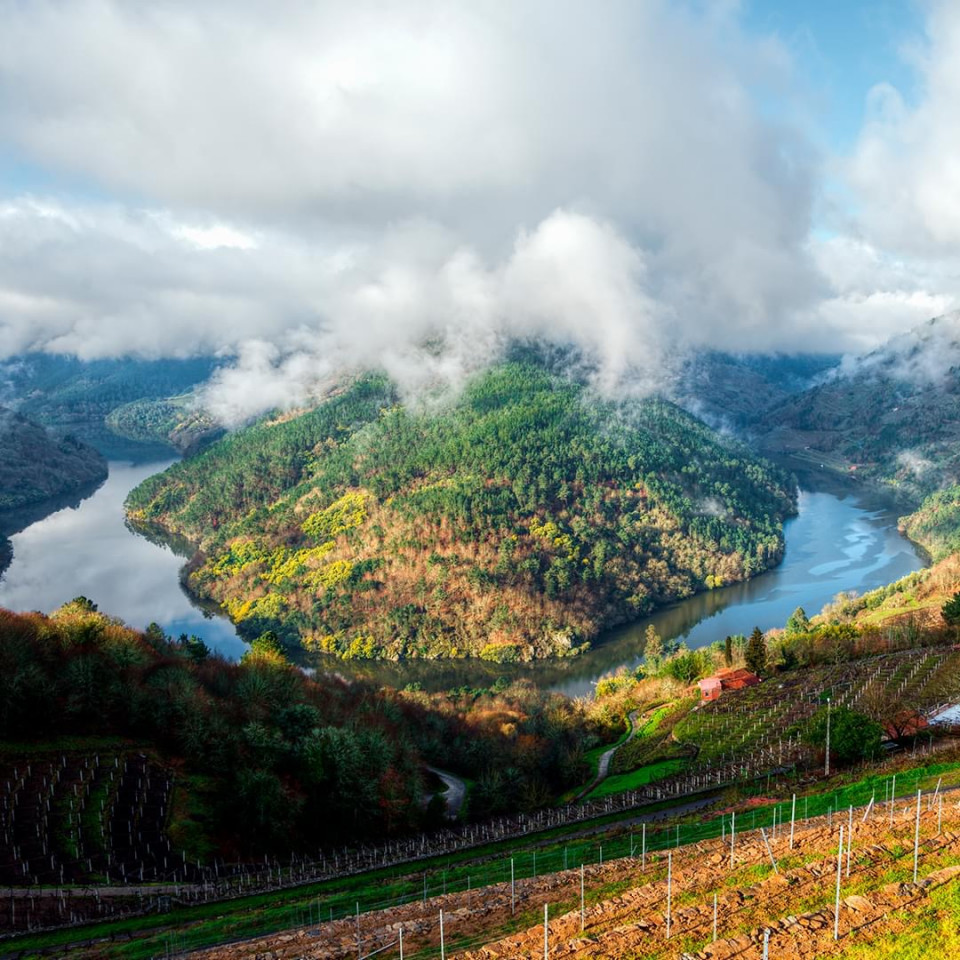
(841, 539)
(89, 551)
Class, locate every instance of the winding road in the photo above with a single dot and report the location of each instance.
(455, 794)
(603, 767)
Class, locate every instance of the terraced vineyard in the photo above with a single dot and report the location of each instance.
(85, 818)
(752, 731)
(100, 819)
(790, 908)
(706, 899)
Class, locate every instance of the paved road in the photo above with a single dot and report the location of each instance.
(456, 791)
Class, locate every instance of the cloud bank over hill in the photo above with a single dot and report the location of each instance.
(411, 185)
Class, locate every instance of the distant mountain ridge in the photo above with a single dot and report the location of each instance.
(734, 391)
(891, 416)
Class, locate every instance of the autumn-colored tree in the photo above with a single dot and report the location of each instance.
(652, 648)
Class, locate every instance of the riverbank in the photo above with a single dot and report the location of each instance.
(84, 548)
(839, 541)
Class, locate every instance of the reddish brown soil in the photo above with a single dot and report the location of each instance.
(627, 918)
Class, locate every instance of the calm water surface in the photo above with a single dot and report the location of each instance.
(841, 540)
(89, 551)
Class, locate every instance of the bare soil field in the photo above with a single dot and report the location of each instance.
(626, 904)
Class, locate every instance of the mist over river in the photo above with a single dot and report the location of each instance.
(842, 539)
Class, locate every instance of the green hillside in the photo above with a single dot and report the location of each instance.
(515, 521)
(72, 396)
(172, 420)
(35, 466)
(935, 525)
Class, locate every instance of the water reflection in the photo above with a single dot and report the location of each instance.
(840, 540)
(13, 521)
(87, 549)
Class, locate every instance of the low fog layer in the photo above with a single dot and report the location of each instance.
(410, 186)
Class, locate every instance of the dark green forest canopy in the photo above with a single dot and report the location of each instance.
(35, 466)
(288, 760)
(515, 520)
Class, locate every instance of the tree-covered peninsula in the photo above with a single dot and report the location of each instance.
(513, 521)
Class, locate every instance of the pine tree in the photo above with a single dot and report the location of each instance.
(756, 653)
(799, 622)
(728, 651)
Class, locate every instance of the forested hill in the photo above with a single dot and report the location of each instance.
(76, 397)
(892, 415)
(517, 521)
(277, 760)
(935, 524)
(35, 466)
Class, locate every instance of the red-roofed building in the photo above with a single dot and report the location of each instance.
(907, 723)
(712, 687)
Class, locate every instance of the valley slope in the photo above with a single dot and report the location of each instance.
(890, 416)
(35, 466)
(515, 521)
(128, 408)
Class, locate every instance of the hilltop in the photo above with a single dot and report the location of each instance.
(515, 520)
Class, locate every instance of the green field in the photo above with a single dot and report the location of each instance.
(636, 778)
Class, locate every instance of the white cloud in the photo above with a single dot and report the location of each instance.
(877, 295)
(429, 313)
(929, 354)
(325, 131)
(482, 116)
(215, 236)
(906, 168)
(894, 261)
(312, 186)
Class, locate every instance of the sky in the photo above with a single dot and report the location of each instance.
(307, 187)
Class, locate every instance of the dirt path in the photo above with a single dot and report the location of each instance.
(603, 767)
